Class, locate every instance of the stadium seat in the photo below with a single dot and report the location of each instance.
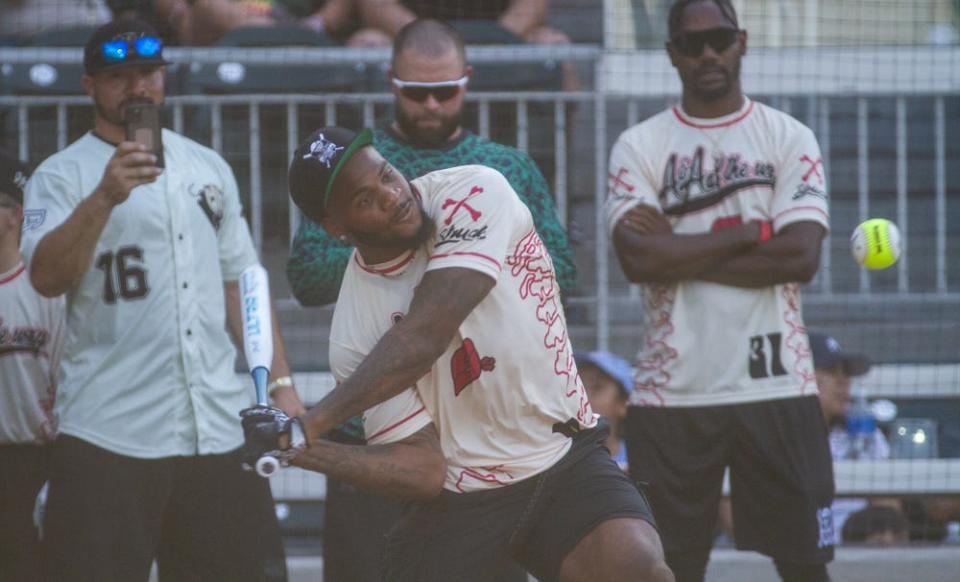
(235, 78)
(42, 78)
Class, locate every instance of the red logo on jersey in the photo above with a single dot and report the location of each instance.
(617, 182)
(466, 365)
(458, 204)
(813, 168)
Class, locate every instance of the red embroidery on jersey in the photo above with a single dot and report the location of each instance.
(813, 168)
(796, 340)
(466, 365)
(657, 353)
(617, 181)
(531, 263)
(490, 477)
(458, 204)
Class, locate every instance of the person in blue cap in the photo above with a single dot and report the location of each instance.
(608, 379)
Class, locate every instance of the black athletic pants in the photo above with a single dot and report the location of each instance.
(202, 517)
(23, 469)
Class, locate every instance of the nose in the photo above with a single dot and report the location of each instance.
(431, 102)
(389, 197)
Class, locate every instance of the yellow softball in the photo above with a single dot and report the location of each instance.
(875, 243)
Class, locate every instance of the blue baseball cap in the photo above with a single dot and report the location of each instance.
(827, 354)
(610, 364)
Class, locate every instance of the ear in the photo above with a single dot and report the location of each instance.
(743, 42)
(333, 228)
(393, 88)
(87, 82)
(671, 53)
(468, 71)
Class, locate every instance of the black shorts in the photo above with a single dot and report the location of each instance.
(494, 535)
(202, 517)
(781, 475)
(23, 469)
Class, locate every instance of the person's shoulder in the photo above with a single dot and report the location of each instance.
(448, 181)
(779, 120)
(70, 158)
(651, 126)
(181, 142)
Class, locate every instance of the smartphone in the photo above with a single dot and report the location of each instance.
(143, 126)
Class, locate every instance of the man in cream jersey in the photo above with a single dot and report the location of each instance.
(147, 465)
(717, 208)
(31, 336)
(451, 291)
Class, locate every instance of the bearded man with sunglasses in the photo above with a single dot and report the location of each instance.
(717, 207)
(429, 78)
(147, 463)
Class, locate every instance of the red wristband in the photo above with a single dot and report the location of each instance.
(766, 231)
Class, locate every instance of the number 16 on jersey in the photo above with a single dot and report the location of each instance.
(258, 342)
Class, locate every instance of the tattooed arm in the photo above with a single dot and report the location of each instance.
(444, 298)
(411, 468)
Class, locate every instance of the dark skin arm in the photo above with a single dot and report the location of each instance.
(790, 256)
(413, 468)
(442, 301)
(649, 251)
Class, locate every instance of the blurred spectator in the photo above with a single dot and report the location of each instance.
(877, 525)
(429, 77)
(26, 17)
(203, 23)
(834, 369)
(31, 335)
(523, 19)
(608, 379)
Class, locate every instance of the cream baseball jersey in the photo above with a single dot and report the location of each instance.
(31, 335)
(704, 343)
(147, 367)
(507, 381)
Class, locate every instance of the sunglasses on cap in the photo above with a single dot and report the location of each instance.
(120, 49)
(419, 91)
(690, 44)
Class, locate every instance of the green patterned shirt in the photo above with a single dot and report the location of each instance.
(318, 261)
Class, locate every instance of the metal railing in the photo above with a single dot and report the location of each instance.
(577, 155)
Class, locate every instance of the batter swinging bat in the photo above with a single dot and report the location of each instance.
(258, 342)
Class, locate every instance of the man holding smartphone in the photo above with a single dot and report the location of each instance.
(147, 463)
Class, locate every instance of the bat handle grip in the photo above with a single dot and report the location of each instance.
(260, 375)
(267, 466)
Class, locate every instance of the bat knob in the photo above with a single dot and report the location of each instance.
(267, 466)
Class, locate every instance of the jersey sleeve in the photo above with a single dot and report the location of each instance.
(801, 190)
(235, 244)
(316, 265)
(629, 181)
(476, 221)
(49, 200)
(390, 421)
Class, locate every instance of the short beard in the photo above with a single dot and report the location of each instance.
(710, 95)
(431, 138)
(415, 240)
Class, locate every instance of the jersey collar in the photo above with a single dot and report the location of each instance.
(715, 122)
(12, 273)
(390, 268)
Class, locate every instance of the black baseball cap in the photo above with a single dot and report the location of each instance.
(13, 176)
(316, 164)
(123, 43)
(827, 354)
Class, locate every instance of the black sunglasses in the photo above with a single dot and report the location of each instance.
(690, 44)
(419, 91)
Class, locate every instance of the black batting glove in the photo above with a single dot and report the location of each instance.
(269, 431)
